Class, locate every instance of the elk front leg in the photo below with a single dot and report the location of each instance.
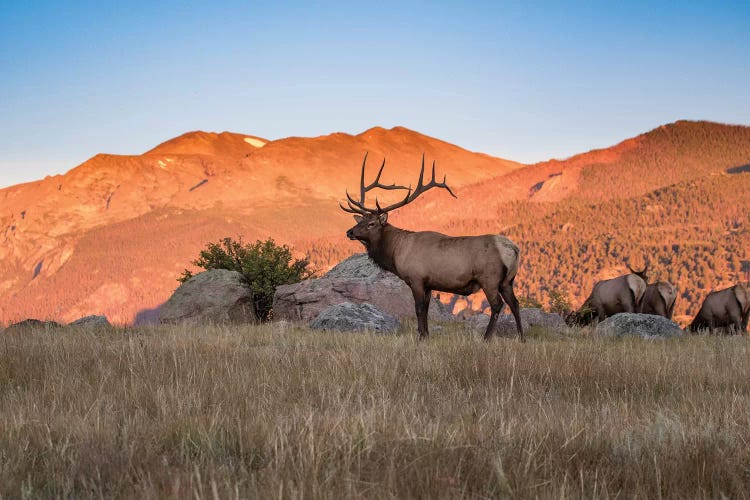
(421, 305)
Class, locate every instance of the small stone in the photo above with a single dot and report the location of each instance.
(32, 324)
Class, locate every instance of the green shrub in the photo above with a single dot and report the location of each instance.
(558, 302)
(263, 264)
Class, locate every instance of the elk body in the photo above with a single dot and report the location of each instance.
(612, 296)
(659, 299)
(428, 261)
(727, 308)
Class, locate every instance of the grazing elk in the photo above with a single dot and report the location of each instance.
(659, 299)
(612, 296)
(725, 308)
(428, 261)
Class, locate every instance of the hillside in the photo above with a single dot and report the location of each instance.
(111, 234)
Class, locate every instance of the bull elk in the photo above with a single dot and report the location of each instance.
(725, 308)
(427, 261)
(612, 296)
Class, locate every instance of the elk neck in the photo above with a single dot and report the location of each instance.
(383, 252)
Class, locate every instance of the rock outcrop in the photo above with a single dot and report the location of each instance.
(216, 296)
(643, 325)
(347, 317)
(91, 322)
(357, 280)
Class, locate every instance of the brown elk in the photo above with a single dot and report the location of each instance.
(727, 308)
(429, 261)
(659, 299)
(612, 296)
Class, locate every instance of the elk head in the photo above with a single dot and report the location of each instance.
(368, 228)
(583, 316)
(372, 220)
(642, 273)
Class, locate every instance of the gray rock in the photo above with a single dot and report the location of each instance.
(216, 296)
(357, 280)
(92, 322)
(536, 317)
(643, 325)
(347, 317)
(506, 323)
(32, 324)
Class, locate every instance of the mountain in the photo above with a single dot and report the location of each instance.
(112, 234)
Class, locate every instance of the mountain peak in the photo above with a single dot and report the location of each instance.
(199, 142)
(696, 127)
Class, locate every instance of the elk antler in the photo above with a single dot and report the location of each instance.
(358, 207)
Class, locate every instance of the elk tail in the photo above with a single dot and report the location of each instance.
(509, 255)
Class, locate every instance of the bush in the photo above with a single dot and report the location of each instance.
(558, 302)
(263, 264)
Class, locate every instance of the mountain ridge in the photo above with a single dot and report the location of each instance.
(111, 235)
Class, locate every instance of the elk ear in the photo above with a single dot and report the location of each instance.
(358, 218)
(383, 218)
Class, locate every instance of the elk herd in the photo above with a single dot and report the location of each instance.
(429, 261)
(726, 309)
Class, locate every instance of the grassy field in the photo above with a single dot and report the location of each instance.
(280, 411)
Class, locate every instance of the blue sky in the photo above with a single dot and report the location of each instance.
(526, 81)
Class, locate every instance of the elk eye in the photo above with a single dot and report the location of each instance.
(371, 224)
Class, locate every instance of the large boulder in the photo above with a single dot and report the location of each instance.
(216, 296)
(643, 325)
(357, 280)
(91, 322)
(347, 317)
(506, 323)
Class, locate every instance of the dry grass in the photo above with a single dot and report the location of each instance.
(279, 411)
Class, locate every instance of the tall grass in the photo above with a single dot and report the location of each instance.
(280, 411)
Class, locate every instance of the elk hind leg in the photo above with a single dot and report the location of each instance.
(506, 290)
(496, 305)
(738, 330)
